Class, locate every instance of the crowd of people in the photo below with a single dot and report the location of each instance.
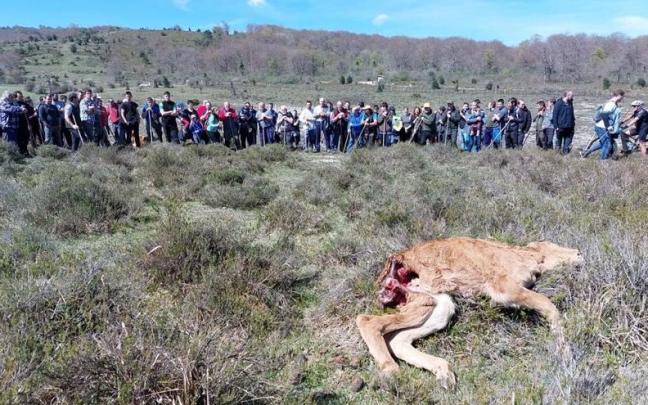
(69, 121)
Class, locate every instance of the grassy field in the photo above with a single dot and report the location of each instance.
(192, 273)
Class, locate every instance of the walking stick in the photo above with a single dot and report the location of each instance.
(417, 126)
(78, 134)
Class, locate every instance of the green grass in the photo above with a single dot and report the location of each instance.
(265, 257)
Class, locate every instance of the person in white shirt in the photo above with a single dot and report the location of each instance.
(307, 119)
(322, 113)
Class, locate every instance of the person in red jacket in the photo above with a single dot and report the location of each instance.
(113, 121)
(227, 115)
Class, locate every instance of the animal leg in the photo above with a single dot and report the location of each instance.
(401, 343)
(373, 328)
(525, 298)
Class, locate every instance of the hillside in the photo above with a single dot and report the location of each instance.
(196, 275)
(119, 56)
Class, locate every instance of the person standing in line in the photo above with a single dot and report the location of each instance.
(564, 122)
(130, 119)
(70, 121)
(51, 117)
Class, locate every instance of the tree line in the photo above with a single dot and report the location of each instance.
(266, 51)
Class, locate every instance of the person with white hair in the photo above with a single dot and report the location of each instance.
(9, 117)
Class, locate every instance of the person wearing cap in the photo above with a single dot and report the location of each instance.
(640, 121)
(452, 126)
(607, 126)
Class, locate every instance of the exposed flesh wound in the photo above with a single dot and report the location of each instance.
(394, 289)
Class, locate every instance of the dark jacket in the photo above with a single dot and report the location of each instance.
(563, 115)
(525, 120)
(512, 120)
(454, 120)
(428, 122)
(50, 115)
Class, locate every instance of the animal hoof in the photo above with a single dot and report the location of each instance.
(388, 372)
(446, 378)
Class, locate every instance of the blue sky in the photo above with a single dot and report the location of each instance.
(509, 21)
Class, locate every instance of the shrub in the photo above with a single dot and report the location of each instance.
(254, 192)
(84, 200)
(489, 86)
(641, 82)
(342, 80)
(349, 79)
(606, 83)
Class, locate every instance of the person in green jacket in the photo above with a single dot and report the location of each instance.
(452, 128)
(427, 125)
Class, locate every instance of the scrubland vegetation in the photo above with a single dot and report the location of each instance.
(197, 274)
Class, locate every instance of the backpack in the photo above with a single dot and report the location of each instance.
(600, 115)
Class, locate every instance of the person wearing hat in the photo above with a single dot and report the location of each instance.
(452, 126)
(369, 122)
(427, 128)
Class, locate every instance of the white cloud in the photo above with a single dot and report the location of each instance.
(182, 4)
(380, 19)
(631, 24)
(256, 3)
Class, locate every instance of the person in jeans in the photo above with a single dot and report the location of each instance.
(151, 116)
(564, 122)
(130, 119)
(50, 116)
(608, 125)
(90, 118)
(356, 120)
(322, 113)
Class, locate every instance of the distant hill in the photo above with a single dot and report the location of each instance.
(116, 56)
